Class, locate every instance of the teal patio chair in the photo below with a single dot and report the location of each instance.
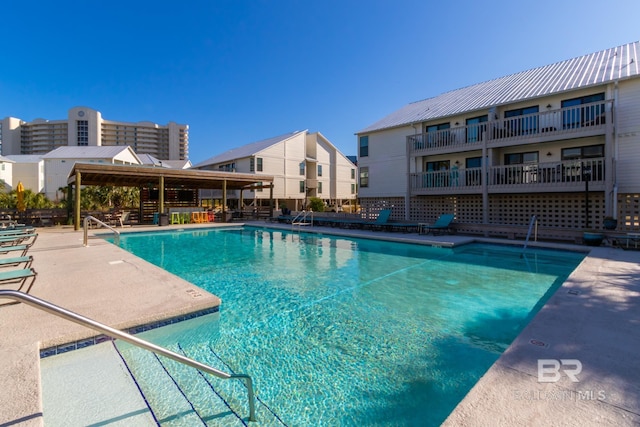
(443, 223)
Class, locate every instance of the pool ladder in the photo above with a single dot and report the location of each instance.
(87, 221)
(115, 333)
(532, 222)
(301, 219)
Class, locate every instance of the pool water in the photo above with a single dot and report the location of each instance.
(337, 331)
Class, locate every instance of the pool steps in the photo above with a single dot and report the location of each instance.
(130, 339)
(176, 393)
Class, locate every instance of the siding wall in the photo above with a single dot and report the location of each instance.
(628, 135)
(387, 163)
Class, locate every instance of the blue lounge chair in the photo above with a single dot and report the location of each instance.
(18, 276)
(443, 223)
(18, 239)
(15, 261)
(22, 249)
(381, 221)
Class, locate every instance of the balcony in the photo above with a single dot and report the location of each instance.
(523, 178)
(565, 123)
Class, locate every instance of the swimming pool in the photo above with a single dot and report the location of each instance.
(338, 331)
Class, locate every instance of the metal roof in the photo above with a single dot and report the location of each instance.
(140, 176)
(598, 68)
(247, 150)
(88, 152)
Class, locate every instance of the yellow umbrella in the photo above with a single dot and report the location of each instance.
(20, 193)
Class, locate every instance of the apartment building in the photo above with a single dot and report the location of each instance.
(303, 165)
(561, 142)
(86, 127)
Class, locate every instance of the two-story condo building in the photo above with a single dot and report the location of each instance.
(303, 165)
(561, 142)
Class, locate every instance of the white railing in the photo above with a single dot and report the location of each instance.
(117, 334)
(568, 172)
(568, 120)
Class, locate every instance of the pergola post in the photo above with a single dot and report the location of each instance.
(76, 219)
(160, 195)
(224, 200)
(271, 200)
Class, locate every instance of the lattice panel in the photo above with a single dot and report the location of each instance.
(466, 208)
(370, 207)
(628, 212)
(562, 210)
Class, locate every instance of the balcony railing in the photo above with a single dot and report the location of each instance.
(567, 174)
(566, 121)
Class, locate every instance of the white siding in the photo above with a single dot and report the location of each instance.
(387, 163)
(628, 136)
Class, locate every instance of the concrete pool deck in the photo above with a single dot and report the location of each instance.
(594, 319)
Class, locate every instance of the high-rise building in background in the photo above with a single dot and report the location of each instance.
(86, 127)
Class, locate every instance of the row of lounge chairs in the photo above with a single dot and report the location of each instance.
(381, 223)
(15, 264)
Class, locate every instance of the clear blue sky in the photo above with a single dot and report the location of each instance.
(241, 71)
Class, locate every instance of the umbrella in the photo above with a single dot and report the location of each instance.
(20, 193)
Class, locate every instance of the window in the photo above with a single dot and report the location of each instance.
(364, 177)
(302, 165)
(319, 187)
(583, 116)
(252, 164)
(364, 147)
(473, 173)
(259, 164)
(82, 127)
(353, 174)
(302, 186)
(319, 170)
(587, 152)
(353, 189)
(438, 135)
(522, 125)
(476, 128)
(520, 158)
(259, 188)
(573, 169)
(439, 174)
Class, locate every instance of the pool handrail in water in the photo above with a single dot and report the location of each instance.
(115, 333)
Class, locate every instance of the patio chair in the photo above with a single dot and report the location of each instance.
(380, 222)
(18, 239)
(124, 218)
(442, 223)
(21, 249)
(16, 261)
(20, 276)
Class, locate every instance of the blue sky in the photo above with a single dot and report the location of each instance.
(241, 71)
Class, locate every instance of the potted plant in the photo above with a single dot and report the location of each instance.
(592, 237)
(609, 223)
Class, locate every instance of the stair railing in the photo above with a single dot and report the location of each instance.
(115, 333)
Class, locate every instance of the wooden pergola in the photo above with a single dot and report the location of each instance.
(163, 178)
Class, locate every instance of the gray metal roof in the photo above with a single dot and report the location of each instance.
(86, 152)
(608, 65)
(246, 150)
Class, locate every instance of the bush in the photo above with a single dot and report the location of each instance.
(316, 205)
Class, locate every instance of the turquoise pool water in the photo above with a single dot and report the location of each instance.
(348, 332)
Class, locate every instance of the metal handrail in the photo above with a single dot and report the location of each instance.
(115, 333)
(303, 220)
(86, 229)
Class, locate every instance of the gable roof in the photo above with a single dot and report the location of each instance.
(247, 150)
(618, 63)
(89, 152)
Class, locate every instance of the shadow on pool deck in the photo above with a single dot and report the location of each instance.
(593, 318)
